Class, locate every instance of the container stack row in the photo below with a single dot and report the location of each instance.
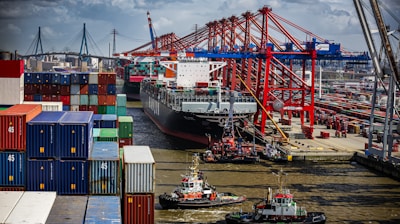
(81, 91)
(47, 207)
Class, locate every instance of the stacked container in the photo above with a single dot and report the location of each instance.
(11, 82)
(139, 184)
(13, 144)
(121, 105)
(75, 141)
(43, 151)
(104, 176)
(103, 209)
(125, 130)
(68, 209)
(80, 91)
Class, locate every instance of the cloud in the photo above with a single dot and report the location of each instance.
(14, 29)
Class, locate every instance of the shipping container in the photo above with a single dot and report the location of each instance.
(109, 121)
(11, 68)
(13, 125)
(121, 111)
(37, 77)
(37, 97)
(12, 168)
(65, 90)
(83, 107)
(74, 107)
(103, 209)
(46, 76)
(73, 177)
(66, 100)
(41, 175)
(106, 135)
(125, 126)
(102, 100)
(66, 108)
(30, 89)
(110, 109)
(12, 188)
(28, 97)
(121, 100)
(93, 89)
(75, 78)
(84, 100)
(76, 134)
(104, 168)
(96, 120)
(101, 109)
(42, 135)
(75, 89)
(32, 207)
(47, 106)
(83, 78)
(103, 78)
(93, 100)
(93, 108)
(111, 89)
(139, 169)
(8, 200)
(68, 209)
(11, 91)
(28, 78)
(56, 78)
(65, 79)
(75, 99)
(93, 78)
(138, 208)
(125, 141)
(84, 89)
(102, 89)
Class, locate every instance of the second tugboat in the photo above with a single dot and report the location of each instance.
(277, 208)
(195, 192)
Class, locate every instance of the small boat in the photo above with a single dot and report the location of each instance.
(195, 192)
(229, 148)
(275, 208)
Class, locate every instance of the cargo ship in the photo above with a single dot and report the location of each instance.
(133, 72)
(189, 100)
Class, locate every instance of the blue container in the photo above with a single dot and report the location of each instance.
(75, 134)
(41, 175)
(65, 79)
(12, 168)
(83, 78)
(111, 89)
(75, 78)
(66, 108)
(37, 78)
(56, 78)
(97, 120)
(37, 97)
(42, 135)
(103, 209)
(28, 78)
(93, 89)
(104, 168)
(46, 77)
(109, 121)
(75, 89)
(73, 177)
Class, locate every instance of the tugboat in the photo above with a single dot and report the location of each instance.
(195, 192)
(230, 149)
(276, 208)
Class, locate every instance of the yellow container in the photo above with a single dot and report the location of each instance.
(289, 158)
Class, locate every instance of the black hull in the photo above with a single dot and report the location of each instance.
(234, 159)
(249, 217)
(179, 124)
(167, 202)
(132, 90)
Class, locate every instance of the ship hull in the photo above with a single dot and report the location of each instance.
(179, 124)
(132, 90)
(167, 202)
(250, 217)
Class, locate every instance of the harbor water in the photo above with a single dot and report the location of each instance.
(346, 191)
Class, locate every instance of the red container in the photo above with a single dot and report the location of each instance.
(102, 89)
(46, 98)
(93, 108)
(103, 78)
(65, 90)
(11, 68)
(13, 125)
(110, 101)
(66, 100)
(83, 108)
(125, 141)
(31, 89)
(55, 98)
(12, 188)
(138, 208)
(102, 100)
(84, 89)
(112, 78)
(28, 97)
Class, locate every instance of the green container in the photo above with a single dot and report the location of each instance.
(121, 100)
(96, 132)
(107, 135)
(125, 126)
(93, 100)
(101, 109)
(121, 111)
(83, 100)
(110, 110)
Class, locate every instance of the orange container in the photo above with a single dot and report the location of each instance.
(84, 89)
(139, 208)
(111, 100)
(102, 100)
(13, 125)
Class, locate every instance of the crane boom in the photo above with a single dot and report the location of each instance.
(153, 43)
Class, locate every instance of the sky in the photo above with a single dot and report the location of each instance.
(61, 21)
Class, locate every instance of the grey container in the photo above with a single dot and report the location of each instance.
(68, 210)
(139, 167)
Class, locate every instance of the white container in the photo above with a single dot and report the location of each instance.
(8, 200)
(47, 105)
(139, 166)
(75, 99)
(32, 207)
(93, 78)
(11, 91)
